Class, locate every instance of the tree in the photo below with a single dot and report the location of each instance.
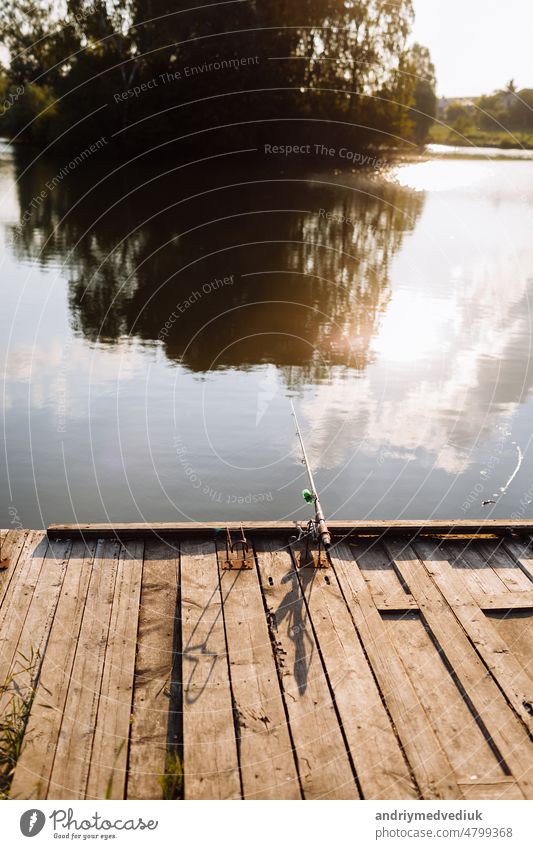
(459, 117)
(424, 112)
(521, 110)
(332, 60)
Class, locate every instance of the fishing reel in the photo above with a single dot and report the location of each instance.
(309, 548)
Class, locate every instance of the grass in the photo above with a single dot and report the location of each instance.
(109, 785)
(15, 717)
(480, 138)
(172, 779)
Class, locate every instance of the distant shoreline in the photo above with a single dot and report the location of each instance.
(480, 138)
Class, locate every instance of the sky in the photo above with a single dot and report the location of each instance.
(477, 45)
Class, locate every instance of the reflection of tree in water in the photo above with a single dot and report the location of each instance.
(308, 292)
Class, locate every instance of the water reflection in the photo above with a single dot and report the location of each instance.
(147, 256)
(157, 317)
(452, 356)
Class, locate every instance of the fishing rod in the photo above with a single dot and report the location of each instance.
(311, 496)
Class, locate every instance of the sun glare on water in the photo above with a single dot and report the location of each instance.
(443, 175)
(413, 329)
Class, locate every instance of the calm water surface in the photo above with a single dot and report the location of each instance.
(155, 321)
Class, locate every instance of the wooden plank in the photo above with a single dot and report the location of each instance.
(34, 767)
(15, 609)
(25, 575)
(70, 770)
(35, 632)
(411, 527)
(155, 687)
(322, 759)
(381, 768)
(324, 765)
(381, 578)
(476, 573)
(518, 688)
(430, 765)
(475, 791)
(107, 772)
(508, 735)
(504, 565)
(83, 620)
(395, 604)
(266, 757)
(504, 601)
(516, 630)
(455, 727)
(522, 553)
(211, 768)
(12, 544)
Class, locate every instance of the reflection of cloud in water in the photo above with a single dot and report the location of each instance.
(53, 370)
(447, 372)
(267, 391)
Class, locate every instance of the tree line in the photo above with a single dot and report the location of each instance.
(507, 110)
(147, 72)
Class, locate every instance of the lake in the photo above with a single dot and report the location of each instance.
(157, 318)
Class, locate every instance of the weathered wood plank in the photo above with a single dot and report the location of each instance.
(476, 573)
(266, 757)
(508, 735)
(395, 604)
(476, 791)
(210, 767)
(26, 574)
(403, 526)
(12, 544)
(15, 651)
(456, 729)
(109, 757)
(387, 679)
(381, 768)
(516, 685)
(74, 747)
(324, 765)
(522, 553)
(34, 767)
(381, 578)
(41, 612)
(516, 630)
(430, 765)
(504, 601)
(154, 687)
(496, 555)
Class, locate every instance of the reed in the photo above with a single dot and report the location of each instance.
(17, 693)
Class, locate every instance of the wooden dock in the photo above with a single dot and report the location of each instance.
(404, 670)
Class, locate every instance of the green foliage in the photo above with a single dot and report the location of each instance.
(422, 70)
(503, 139)
(507, 109)
(459, 117)
(329, 60)
(109, 783)
(172, 779)
(521, 110)
(17, 693)
(501, 119)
